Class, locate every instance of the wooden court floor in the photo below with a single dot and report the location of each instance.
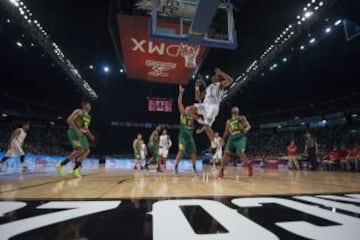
(104, 184)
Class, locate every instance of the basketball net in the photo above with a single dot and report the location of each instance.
(189, 53)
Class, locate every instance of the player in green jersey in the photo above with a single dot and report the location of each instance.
(236, 128)
(153, 147)
(78, 134)
(186, 139)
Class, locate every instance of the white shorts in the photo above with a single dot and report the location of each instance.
(217, 154)
(208, 111)
(163, 152)
(15, 150)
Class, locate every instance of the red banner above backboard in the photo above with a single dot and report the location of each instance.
(155, 61)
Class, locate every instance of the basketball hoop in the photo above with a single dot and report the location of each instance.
(189, 53)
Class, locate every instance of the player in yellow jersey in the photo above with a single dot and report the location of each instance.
(139, 151)
(78, 134)
(236, 128)
(186, 139)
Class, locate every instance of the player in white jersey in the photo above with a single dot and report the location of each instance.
(216, 149)
(164, 146)
(16, 144)
(206, 111)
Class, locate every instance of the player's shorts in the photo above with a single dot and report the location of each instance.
(77, 141)
(163, 152)
(217, 154)
(236, 144)
(208, 111)
(14, 150)
(187, 143)
(137, 155)
(154, 150)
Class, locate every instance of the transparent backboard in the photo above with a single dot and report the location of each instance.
(171, 20)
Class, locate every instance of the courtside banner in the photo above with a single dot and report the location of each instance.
(153, 60)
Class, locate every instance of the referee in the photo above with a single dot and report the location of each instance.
(311, 150)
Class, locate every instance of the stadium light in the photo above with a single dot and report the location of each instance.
(328, 30)
(354, 115)
(338, 22)
(302, 47)
(308, 14)
(121, 70)
(19, 44)
(4, 115)
(312, 40)
(207, 76)
(321, 3)
(14, 2)
(284, 59)
(106, 69)
(91, 67)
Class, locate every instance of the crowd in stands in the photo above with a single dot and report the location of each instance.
(338, 145)
(41, 139)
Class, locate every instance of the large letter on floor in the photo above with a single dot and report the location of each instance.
(348, 228)
(170, 223)
(76, 209)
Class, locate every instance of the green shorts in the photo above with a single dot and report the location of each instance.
(187, 143)
(77, 141)
(154, 150)
(236, 144)
(137, 155)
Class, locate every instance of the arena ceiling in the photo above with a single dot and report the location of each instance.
(80, 27)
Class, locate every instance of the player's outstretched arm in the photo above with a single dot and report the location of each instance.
(247, 125)
(228, 80)
(180, 97)
(199, 96)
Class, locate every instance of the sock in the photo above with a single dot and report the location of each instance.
(77, 165)
(63, 163)
(176, 166)
(22, 160)
(194, 166)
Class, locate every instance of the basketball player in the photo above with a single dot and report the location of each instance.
(153, 147)
(236, 127)
(138, 149)
(164, 144)
(186, 137)
(293, 155)
(216, 149)
(205, 112)
(15, 146)
(78, 134)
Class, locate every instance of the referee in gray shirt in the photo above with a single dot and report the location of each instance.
(311, 150)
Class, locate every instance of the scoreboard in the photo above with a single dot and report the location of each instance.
(160, 105)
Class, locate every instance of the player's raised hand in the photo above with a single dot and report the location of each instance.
(181, 89)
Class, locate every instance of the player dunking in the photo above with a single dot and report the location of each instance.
(79, 122)
(15, 146)
(236, 128)
(164, 144)
(186, 138)
(205, 112)
(139, 151)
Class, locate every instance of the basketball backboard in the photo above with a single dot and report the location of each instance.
(192, 22)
